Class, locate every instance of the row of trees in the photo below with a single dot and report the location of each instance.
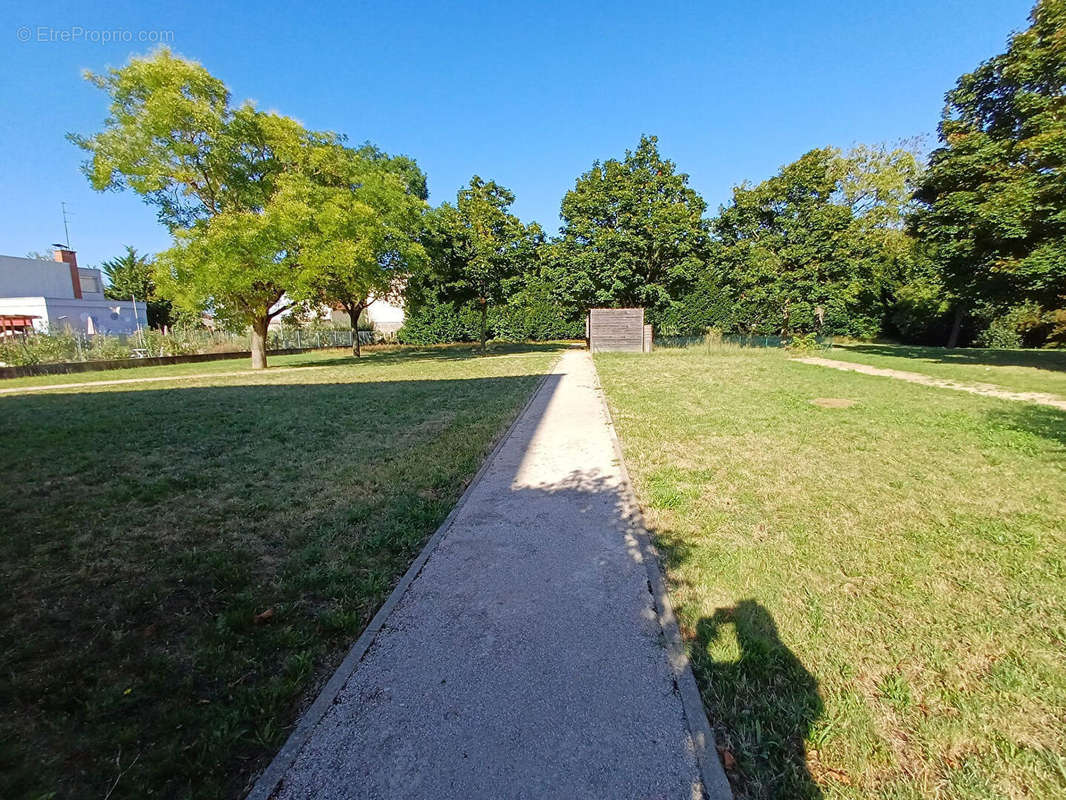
(267, 215)
(879, 240)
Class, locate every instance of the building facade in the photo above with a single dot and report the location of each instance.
(61, 296)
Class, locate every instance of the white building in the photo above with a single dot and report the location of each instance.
(59, 295)
(385, 316)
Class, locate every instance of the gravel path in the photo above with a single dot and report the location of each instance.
(529, 653)
(984, 389)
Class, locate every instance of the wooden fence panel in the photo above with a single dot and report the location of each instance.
(616, 329)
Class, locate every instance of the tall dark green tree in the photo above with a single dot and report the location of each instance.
(633, 233)
(476, 248)
(799, 254)
(994, 196)
(131, 275)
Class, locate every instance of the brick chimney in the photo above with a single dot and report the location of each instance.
(69, 257)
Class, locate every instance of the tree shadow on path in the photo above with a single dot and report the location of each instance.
(765, 700)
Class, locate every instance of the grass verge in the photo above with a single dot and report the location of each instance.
(187, 562)
(873, 594)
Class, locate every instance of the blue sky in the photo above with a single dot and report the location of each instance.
(527, 94)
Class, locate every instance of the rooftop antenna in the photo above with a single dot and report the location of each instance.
(66, 230)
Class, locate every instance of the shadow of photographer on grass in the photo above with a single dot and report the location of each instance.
(765, 699)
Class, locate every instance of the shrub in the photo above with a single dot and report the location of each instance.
(1018, 326)
(803, 343)
(40, 348)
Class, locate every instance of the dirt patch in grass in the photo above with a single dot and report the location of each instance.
(186, 563)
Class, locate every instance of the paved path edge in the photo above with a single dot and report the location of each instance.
(271, 777)
(715, 782)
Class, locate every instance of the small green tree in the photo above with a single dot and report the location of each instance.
(363, 240)
(476, 247)
(231, 184)
(132, 275)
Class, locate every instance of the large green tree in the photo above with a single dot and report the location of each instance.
(633, 233)
(816, 247)
(363, 241)
(994, 195)
(132, 275)
(231, 183)
(476, 248)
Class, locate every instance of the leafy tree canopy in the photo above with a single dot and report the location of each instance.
(366, 219)
(994, 196)
(633, 233)
(476, 247)
(231, 183)
(813, 248)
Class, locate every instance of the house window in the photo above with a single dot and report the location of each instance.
(90, 282)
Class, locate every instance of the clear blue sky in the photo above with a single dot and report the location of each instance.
(527, 94)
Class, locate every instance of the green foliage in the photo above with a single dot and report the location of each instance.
(1017, 326)
(803, 343)
(131, 275)
(993, 196)
(365, 221)
(436, 321)
(808, 249)
(710, 304)
(232, 184)
(920, 312)
(477, 249)
(39, 348)
(532, 313)
(633, 233)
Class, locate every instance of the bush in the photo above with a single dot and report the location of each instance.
(532, 314)
(527, 316)
(438, 322)
(40, 348)
(1020, 325)
(707, 305)
(803, 343)
(920, 314)
(105, 348)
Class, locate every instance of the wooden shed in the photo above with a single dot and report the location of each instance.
(617, 329)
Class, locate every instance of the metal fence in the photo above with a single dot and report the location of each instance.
(287, 339)
(732, 341)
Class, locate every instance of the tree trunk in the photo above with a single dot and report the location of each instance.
(484, 323)
(259, 339)
(956, 326)
(354, 312)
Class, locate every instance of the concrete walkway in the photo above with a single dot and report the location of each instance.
(529, 652)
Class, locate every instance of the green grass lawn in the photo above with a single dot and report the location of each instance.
(874, 596)
(185, 562)
(1017, 370)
